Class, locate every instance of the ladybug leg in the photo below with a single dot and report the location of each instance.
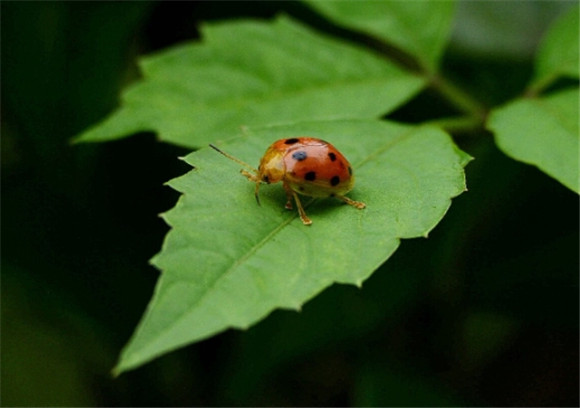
(357, 204)
(288, 190)
(255, 179)
(256, 192)
(303, 216)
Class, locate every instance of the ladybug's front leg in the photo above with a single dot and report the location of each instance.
(250, 176)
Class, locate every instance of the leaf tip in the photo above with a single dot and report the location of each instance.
(116, 372)
(75, 141)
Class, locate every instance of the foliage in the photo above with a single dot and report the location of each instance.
(558, 54)
(396, 22)
(286, 76)
(544, 132)
(195, 94)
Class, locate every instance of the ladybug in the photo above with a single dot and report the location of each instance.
(306, 166)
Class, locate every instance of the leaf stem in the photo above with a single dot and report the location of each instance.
(458, 97)
(537, 87)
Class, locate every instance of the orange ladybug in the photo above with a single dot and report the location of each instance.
(305, 165)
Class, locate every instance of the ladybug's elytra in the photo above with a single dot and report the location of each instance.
(305, 165)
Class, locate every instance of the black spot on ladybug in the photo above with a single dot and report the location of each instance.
(332, 156)
(334, 181)
(349, 170)
(291, 141)
(300, 155)
(310, 176)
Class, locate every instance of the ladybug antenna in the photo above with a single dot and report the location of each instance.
(250, 176)
(229, 156)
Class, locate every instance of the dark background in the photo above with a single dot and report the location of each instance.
(483, 312)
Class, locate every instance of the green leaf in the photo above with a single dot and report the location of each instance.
(542, 132)
(558, 53)
(418, 27)
(228, 263)
(283, 73)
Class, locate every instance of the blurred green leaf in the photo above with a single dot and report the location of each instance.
(558, 53)
(505, 31)
(62, 66)
(418, 27)
(542, 132)
(254, 73)
(228, 262)
(84, 49)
